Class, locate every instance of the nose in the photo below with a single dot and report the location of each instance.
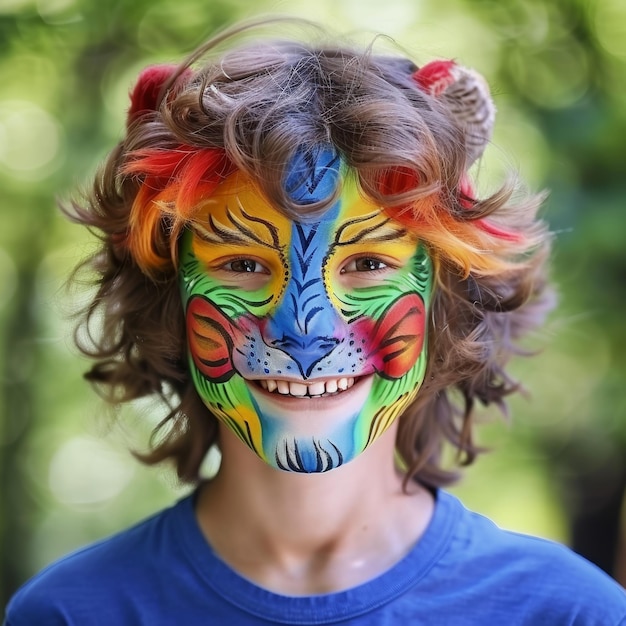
(307, 351)
(305, 326)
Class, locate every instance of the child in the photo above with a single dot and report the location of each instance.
(293, 257)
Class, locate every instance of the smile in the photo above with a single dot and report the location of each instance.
(341, 400)
(313, 389)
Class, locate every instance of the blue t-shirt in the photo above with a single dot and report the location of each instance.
(463, 571)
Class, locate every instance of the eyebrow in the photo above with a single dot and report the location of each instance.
(239, 232)
(375, 228)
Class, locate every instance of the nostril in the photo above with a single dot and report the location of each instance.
(289, 343)
(315, 343)
(305, 351)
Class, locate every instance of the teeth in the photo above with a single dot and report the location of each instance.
(301, 389)
(317, 389)
(297, 389)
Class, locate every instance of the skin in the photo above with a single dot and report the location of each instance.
(307, 339)
(306, 530)
(305, 534)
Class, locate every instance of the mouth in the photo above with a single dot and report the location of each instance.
(326, 403)
(313, 389)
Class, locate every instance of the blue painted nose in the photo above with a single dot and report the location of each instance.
(306, 351)
(305, 324)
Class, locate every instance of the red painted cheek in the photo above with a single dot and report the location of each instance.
(210, 335)
(397, 338)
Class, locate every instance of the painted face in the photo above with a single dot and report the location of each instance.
(307, 339)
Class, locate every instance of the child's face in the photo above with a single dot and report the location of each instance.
(305, 339)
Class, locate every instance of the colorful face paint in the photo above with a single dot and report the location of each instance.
(307, 339)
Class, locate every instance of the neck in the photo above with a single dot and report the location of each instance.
(311, 533)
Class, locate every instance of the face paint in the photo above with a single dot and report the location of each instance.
(307, 339)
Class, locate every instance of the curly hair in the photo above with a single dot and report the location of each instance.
(250, 108)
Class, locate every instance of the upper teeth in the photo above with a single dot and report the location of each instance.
(300, 389)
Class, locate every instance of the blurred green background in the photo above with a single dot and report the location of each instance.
(557, 70)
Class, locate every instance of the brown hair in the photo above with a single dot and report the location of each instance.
(256, 104)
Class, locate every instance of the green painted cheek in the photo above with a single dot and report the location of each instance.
(390, 398)
(228, 400)
(231, 403)
(232, 300)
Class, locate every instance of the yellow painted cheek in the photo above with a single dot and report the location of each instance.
(402, 251)
(248, 423)
(371, 430)
(251, 418)
(238, 222)
(331, 269)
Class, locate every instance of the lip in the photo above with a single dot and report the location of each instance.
(340, 404)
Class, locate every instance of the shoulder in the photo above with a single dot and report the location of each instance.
(67, 591)
(541, 577)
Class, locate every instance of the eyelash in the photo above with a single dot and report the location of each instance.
(355, 260)
(350, 267)
(228, 266)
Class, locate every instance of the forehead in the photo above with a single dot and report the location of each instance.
(310, 179)
(313, 175)
(237, 218)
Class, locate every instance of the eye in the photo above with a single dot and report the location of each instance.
(364, 264)
(241, 266)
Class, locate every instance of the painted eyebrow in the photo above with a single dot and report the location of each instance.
(379, 231)
(240, 233)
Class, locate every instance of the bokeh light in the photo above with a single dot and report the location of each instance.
(610, 26)
(30, 140)
(84, 471)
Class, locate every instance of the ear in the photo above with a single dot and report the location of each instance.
(467, 95)
(147, 94)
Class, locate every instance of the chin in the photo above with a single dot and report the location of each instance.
(309, 456)
(308, 427)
